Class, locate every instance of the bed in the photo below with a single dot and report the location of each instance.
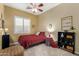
(29, 40)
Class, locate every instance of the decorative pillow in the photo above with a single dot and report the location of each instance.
(42, 33)
(37, 33)
(47, 34)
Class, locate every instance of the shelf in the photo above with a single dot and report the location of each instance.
(67, 42)
(68, 50)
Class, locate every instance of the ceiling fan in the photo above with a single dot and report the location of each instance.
(35, 7)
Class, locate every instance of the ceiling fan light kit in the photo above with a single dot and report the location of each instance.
(35, 7)
(34, 10)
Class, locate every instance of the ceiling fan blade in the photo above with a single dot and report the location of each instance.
(40, 10)
(28, 7)
(40, 5)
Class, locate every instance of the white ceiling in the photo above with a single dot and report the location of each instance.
(22, 6)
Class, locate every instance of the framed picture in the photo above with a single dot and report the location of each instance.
(66, 23)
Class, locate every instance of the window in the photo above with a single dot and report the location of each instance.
(21, 25)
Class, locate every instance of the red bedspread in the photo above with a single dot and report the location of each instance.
(27, 40)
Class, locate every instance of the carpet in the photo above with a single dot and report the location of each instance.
(43, 50)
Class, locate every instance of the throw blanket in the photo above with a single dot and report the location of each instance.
(28, 40)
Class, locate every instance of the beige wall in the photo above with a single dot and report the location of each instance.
(54, 16)
(9, 20)
(1, 12)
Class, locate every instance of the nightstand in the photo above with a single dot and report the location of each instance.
(47, 41)
(51, 42)
(5, 41)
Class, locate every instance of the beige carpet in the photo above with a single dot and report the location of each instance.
(43, 50)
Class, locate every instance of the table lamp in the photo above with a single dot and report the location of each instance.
(2, 27)
(3, 31)
(50, 29)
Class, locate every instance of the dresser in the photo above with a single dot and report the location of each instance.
(66, 41)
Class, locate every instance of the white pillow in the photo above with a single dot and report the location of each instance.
(37, 33)
(47, 34)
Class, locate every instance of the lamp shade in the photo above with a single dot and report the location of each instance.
(2, 30)
(50, 28)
